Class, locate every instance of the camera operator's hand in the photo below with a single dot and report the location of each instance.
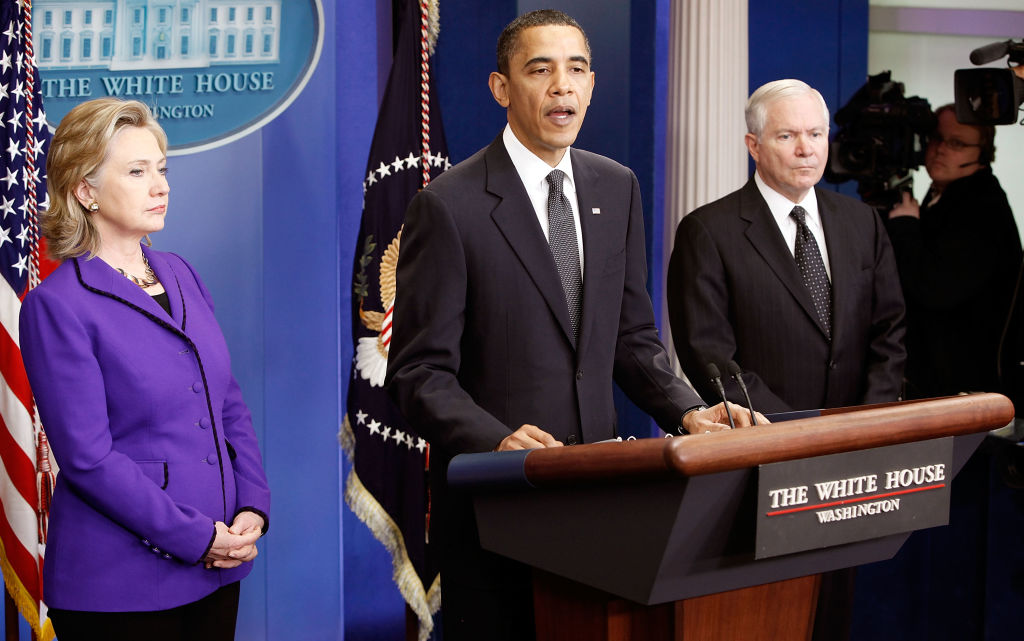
(908, 207)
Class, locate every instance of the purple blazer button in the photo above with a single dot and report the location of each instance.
(204, 423)
(197, 387)
(211, 458)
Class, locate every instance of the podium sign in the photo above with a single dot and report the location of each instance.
(825, 501)
(656, 539)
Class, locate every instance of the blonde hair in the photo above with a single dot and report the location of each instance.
(79, 147)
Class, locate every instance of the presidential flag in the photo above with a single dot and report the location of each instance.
(387, 487)
(26, 476)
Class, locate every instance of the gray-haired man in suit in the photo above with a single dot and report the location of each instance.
(796, 284)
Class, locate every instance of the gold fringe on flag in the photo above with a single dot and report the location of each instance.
(423, 602)
(26, 604)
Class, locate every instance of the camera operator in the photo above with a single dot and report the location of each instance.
(958, 254)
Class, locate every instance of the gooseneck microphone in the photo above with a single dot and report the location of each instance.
(737, 375)
(716, 379)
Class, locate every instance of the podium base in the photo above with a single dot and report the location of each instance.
(780, 611)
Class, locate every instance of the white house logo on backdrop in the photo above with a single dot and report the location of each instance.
(211, 70)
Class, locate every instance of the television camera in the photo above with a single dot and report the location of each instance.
(882, 136)
(990, 96)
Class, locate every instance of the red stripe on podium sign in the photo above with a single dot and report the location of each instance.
(856, 500)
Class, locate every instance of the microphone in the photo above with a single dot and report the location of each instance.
(737, 375)
(990, 52)
(716, 378)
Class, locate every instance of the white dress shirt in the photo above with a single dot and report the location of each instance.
(781, 207)
(533, 172)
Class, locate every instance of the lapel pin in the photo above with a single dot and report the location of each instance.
(595, 210)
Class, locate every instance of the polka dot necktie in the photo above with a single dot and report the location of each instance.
(812, 267)
(564, 247)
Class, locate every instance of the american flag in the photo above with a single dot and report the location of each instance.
(25, 474)
(387, 487)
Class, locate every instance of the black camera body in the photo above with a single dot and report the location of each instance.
(882, 136)
(990, 96)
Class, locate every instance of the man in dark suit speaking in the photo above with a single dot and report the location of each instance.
(520, 297)
(796, 284)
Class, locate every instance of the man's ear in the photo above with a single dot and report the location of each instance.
(499, 88)
(752, 145)
(85, 193)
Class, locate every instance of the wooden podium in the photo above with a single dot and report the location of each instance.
(654, 539)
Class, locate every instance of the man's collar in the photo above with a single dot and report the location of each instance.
(531, 168)
(780, 206)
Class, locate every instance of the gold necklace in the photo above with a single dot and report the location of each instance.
(148, 281)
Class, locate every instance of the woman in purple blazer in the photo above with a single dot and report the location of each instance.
(161, 494)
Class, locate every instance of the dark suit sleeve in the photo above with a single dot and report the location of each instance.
(698, 305)
(943, 271)
(886, 353)
(642, 368)
(429, 318)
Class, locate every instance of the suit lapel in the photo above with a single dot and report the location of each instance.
(595, 242)
(103, 279)
(515, 218)
(766, 238)
(841, 264)
(168, 279)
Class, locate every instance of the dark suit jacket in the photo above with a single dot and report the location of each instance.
(958, 264)
(482, 343)
(149, 428)
(735, 292)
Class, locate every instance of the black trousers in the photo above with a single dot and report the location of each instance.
(484, 596)
(475, 614)
(211, 618)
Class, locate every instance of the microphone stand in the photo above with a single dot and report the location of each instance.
(737, 375)
(716, 378)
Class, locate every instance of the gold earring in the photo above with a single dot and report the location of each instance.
(95, 206)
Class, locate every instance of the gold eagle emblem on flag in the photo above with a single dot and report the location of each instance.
(372, 351)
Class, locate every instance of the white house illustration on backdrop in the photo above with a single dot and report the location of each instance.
(124, 35)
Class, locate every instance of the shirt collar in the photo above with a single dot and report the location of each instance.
(781, 206)
(532, 170)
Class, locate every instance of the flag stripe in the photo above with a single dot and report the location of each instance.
(24, 139)
(18, 535)
(21, 515)
(17, 555)
(18, 417)
(12, 368)
(10, 307)
(19, 469)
